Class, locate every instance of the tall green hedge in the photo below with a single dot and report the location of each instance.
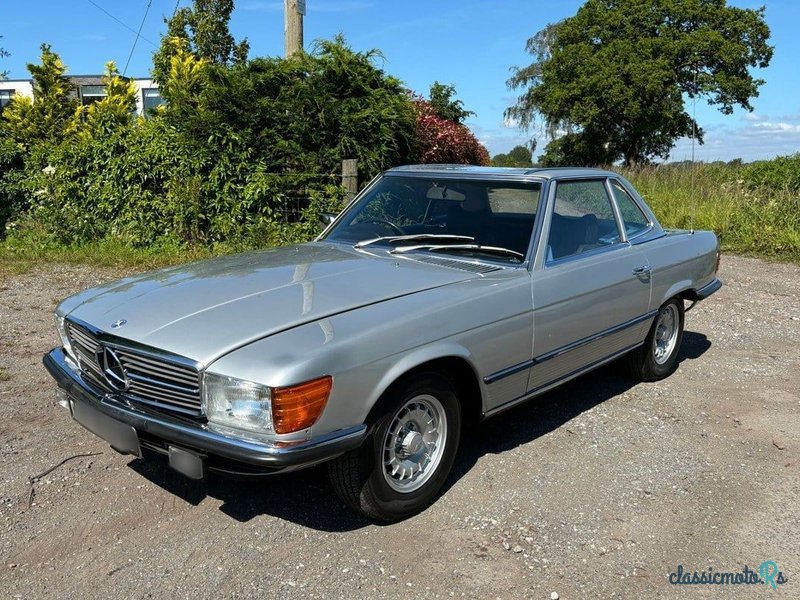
(221, 162)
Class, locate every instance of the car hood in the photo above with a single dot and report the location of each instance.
(206, 309)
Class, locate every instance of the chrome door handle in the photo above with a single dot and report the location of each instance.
(643, 270)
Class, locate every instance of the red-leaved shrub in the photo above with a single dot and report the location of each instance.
(442, 141)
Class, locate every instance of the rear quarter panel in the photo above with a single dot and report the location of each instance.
(680, 261)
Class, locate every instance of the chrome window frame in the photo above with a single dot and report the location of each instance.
(541, 255)
(610, 181)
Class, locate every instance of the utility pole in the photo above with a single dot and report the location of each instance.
(293, 11)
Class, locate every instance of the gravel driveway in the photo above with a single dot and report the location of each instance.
(599, 490)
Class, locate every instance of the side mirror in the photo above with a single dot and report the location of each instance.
(327, 218)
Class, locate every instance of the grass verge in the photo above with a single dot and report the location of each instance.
(755, 220)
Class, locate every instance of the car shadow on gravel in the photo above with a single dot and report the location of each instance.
(307, 499)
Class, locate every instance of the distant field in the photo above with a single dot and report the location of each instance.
(752, 211)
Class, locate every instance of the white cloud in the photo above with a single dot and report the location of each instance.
(754, 140)
(780, 126)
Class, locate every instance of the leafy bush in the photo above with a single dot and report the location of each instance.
(443, 141)
(243, 155)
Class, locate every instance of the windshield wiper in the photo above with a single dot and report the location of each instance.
(418, 237)
(461, 248)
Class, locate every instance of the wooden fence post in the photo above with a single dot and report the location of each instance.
(350, 178)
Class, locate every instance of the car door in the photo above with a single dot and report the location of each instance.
(590, 287)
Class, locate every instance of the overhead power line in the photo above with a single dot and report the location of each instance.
(138, 35)
(125, 25)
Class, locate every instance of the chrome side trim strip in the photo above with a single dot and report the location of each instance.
(556, 382)
(593, 338)
(507, 372)
(496, 376)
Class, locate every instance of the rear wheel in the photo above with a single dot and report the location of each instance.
(657, 358)
(402, 466)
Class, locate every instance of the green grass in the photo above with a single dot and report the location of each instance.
(750, 219)
(21, 254)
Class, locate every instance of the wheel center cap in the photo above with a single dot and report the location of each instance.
(412, 443)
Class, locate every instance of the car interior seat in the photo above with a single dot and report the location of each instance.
(473, 216)
(572, 235)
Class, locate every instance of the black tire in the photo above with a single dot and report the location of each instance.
(358, 477)
(644, 363)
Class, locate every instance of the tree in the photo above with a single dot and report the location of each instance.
(115, 110)
(612, 80)
(519, 156)
(48, 115)
(445, 106)
(203, 31)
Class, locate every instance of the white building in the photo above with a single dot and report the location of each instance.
(88, 89)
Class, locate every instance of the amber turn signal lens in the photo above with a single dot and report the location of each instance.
(299, 406)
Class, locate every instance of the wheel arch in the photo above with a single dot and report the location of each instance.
(456, 365)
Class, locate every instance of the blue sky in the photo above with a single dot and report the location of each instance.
(471, 44)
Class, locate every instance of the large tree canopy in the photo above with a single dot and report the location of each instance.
(610, 82)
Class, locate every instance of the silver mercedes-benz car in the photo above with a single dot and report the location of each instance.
(440, 296)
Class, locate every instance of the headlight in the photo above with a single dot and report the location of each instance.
(237, 403)
(61, 326)
(232, 403)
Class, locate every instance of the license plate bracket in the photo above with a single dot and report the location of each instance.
(122, 438)
(188, 463)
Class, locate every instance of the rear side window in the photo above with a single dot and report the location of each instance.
(633, 217)
(582, 221)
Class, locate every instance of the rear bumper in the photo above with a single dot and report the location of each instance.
(110, 416)
(708, 289)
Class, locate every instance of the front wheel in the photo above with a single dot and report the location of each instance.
(402, 466)
(658, 357)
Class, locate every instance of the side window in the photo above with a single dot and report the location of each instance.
(582, 220)
(633, 217)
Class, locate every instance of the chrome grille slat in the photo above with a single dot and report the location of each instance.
(160, 398)
(134, 365)
(145, 361)
(147, 381)
(143, 388)
(158, 382)
(83, 339)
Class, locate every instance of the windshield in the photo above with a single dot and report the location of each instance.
(428, 211)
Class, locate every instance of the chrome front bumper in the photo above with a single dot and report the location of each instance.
(128, 428)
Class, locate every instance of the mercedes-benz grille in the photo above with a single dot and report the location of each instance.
(150, 378)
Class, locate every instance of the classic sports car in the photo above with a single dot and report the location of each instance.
(440, 296)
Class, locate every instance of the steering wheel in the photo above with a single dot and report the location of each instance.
(389, 224)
